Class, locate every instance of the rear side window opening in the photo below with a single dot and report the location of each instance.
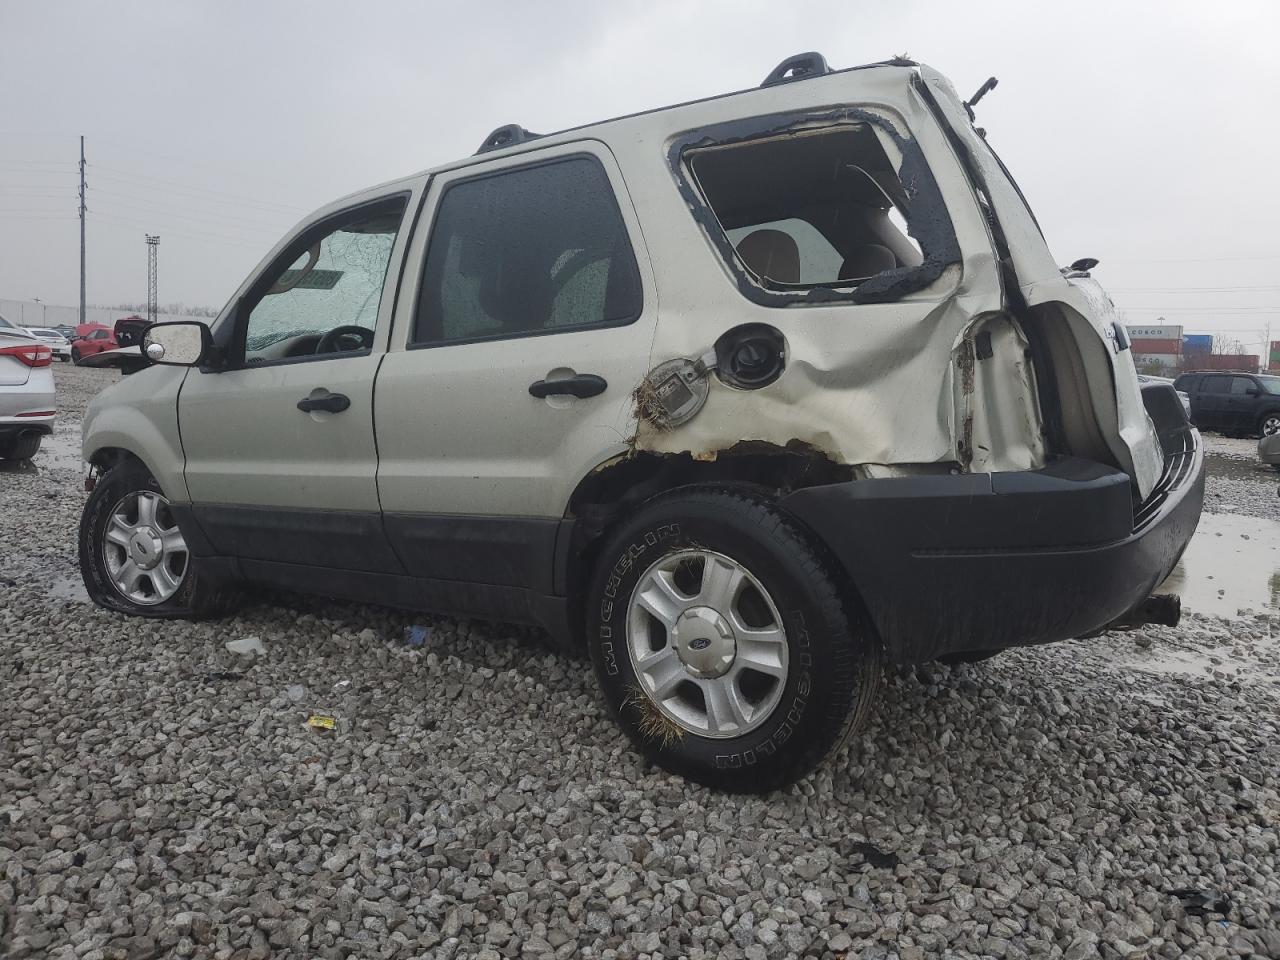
(818, 213)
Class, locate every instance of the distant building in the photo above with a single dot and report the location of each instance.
(1156, 346)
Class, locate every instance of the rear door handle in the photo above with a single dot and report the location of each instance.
(322, 399)
(580, 385)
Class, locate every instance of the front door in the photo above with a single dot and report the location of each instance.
(281, 461)
(512, 374)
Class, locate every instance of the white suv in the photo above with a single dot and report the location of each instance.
(744, 396)
(26, 392)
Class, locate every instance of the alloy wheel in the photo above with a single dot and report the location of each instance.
(707, 643)
(144, 552)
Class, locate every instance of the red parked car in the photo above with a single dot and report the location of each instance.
(92, 338)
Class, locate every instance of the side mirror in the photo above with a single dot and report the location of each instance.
(181, 343)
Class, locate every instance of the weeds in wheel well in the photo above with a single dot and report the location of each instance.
(653, 723)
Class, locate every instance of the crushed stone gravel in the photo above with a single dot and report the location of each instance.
(163, 796)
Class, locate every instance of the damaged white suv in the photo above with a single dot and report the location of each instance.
(745, 396)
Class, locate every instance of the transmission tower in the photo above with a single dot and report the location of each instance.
(153, 245)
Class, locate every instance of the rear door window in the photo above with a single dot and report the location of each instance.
(527, 251)
(822, 208)
(1215, 384)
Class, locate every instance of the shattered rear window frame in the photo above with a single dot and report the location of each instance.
(928, 220)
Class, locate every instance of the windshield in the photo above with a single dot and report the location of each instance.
(5, 324)
(1270, 384)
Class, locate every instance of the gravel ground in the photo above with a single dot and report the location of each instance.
(1243, 484)
(160, 796)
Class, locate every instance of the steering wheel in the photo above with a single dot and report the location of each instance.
(329, 342)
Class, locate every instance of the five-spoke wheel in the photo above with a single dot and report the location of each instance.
(707, 643)
(728, 647)
(143, 549)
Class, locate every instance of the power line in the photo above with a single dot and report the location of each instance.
(114, 173)
(152, 217)
(165, 208)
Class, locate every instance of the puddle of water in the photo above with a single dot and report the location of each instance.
(1232, 563)
(59, 451)
(1239, 468)
(69, 588)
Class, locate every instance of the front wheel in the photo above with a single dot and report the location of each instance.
(75, 355)
(724, 643)
(134, 557)
(1269, 425)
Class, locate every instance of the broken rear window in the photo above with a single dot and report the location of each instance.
(814, 208)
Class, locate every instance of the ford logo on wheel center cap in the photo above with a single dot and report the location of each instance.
(699, 643)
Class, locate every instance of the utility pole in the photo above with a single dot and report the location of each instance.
(82, 231)
(153, 245)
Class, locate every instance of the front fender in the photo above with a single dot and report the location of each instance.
(140, 414)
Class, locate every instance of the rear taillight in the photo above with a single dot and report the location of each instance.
(32, 354)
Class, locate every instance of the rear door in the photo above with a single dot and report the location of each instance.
(280, 452)
(1210, 404)
(1241, 403)
(514, 365)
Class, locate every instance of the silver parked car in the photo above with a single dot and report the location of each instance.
(59, 344)
(26, 392)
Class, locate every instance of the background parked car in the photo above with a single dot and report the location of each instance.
(1244, 403)
(128, 330)
(92, 338)
(1186, 400)
(1269, 450)
(26, 392)
(59, 344)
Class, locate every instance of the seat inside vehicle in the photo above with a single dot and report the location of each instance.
(771, 253)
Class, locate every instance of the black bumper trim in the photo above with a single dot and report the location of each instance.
(987, 561)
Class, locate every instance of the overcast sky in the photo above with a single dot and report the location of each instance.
(1142, 134)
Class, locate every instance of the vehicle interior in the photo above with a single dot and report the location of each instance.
(821, 207)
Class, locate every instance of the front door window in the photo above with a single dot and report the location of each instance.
(321, 299)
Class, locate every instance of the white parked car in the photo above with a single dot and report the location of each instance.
(26, 392)
(744, 396)
(59, 344)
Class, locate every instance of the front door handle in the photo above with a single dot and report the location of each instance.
(581, 385)
(322, 399)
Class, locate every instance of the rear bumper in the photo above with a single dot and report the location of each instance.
(972, 562)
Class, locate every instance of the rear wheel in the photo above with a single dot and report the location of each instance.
(75, 355)
(133, 555)
(20, 448)
(724, 643)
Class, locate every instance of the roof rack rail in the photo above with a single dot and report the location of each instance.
(800, 67)
(507, 135)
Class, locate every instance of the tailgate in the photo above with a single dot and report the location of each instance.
(1100, 367)
(1112, 378)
